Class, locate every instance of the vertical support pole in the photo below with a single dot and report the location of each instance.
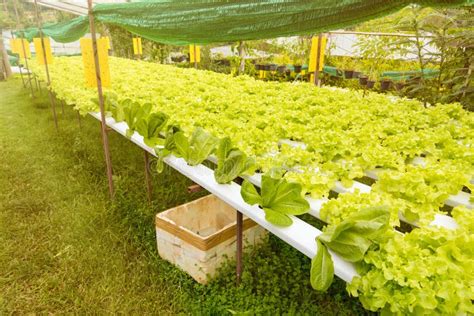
(79, 119)
(23, 47)
(62, 104)
(19, 64)
(48, 79)
(21, 75)
(317, 82)
(105, 137)
(30, 80)
(149, 188)
(195, 57)
(240, 224)
(38, 87)
(62, 108)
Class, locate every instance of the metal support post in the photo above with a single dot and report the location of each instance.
(317, 82)
(48, 80)
(19, 65)
(105, 137)
(23, 48)
(195, 57)
(240, 224)
(149, 188)
(27, 67)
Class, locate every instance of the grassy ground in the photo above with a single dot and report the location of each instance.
(66, 249)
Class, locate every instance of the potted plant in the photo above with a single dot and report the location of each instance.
(385, 84)
(372, 79)
(363, 80)
(348, 67)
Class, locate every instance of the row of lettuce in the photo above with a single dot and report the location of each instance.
(196, 114)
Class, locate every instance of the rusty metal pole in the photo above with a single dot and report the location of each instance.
(240, 224)
(149, 188)
(105, 137)
(48, 79)
(195, 57)
(38, 87)
(317, 82)
(23, 47)
(21, 74)
(27, 67)
(19, 64)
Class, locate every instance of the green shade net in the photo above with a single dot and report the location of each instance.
(63, 32)
(405, 75)
(182, 22)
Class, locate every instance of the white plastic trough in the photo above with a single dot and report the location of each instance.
(299, 235)
(462, 198)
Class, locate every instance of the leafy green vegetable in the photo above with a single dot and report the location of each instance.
(133, 114)
(350, 239)
(168, 147)
(279, 198)
(322, 268)
(198, 148)
(231, 162)
(150, 127)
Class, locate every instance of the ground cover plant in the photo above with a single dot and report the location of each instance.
(342, 135)
(66, 249)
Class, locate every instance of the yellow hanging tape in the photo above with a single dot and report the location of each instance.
(314, 52)
(137, 46)
(39, 50)
(19, 47)
(107, 39)
(13, 45)
(194, 53)
(89, 63)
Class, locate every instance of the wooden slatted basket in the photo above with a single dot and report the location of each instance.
(200, 235)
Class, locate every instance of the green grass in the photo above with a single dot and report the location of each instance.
(66, 249)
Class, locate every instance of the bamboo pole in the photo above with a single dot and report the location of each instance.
(105, 137)
(48, 79)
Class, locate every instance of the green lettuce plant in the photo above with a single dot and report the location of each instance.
(231, 162)
(278, 198)
(196, 149)
(350, 240)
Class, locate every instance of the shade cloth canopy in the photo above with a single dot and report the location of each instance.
(181, 22)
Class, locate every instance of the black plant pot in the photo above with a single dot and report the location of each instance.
(258, 67)
(298, 68)
(363, 80)
(385, 84)
(266, 67)
(356, 74)
(370, 84)
(348, 74)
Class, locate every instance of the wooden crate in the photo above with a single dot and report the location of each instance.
(200, 235)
